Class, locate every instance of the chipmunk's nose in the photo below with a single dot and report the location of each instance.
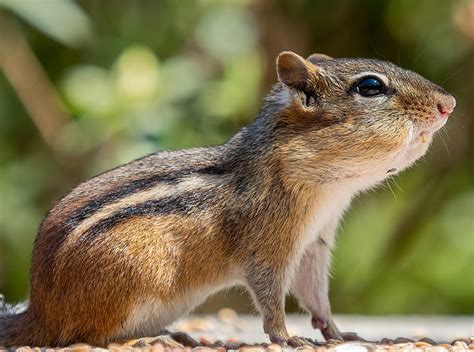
(446, 104)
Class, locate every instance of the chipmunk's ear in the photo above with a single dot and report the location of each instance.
(315, 59)
(295, 71)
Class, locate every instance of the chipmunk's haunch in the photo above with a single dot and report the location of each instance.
(131, 250)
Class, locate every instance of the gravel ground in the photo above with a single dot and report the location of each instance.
(227, 330)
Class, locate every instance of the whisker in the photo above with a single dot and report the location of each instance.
(451, 75)
(390, 188)
(396, 183)
(376, 51)
(446, 134)
(445, 146)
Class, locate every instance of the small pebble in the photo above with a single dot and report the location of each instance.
(219, 343)
(457, 349)
(402, 340)
(386, 341)
(436, 349)
(274, 348)
(79, 347)
(157, 347)
(422, 344)
(461, 344)
(382, 348)
(427, 340)
(204, 340)
(24, 349)
(252, 349)
(114, 347)
(466, 341)
(322, 349)
(354, 347)
(232, 344)
(403, 347)
(444, 345)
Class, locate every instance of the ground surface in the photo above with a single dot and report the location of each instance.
(430, 334)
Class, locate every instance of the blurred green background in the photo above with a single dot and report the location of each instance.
(88, 85)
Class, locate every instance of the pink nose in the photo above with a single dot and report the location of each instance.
(446, 105)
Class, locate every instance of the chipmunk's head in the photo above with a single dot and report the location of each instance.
(355, 118)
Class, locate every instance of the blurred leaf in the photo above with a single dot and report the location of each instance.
(182, 77)
(237, 91)
(62, 20)
(90, 91)
(227, 32)
(137, 74)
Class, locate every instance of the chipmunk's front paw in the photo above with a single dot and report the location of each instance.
(330, 331)
(297, 341)
(294, 341)
(278, 339)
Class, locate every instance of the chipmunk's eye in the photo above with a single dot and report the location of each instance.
(370, 86)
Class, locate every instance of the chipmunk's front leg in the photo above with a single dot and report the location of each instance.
(311, 285)
(267, 289)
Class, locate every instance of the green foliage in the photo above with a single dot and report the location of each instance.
(139, 76)
(62, 20)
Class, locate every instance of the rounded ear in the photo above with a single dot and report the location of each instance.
(293, 70)
(317, 58)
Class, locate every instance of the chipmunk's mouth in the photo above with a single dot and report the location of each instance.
(423, 132)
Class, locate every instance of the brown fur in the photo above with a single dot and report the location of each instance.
(129, 250)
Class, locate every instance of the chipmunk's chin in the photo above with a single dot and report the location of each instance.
(417, 143)
(422, 133)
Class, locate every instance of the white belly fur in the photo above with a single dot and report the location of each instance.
(329, 207)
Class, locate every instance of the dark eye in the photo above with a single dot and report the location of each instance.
(370, 86)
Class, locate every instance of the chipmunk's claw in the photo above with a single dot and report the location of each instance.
(330, 331)
(297, 341)
(278, 339)
(294, 341)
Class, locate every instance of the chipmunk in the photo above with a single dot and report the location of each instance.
(127, 252)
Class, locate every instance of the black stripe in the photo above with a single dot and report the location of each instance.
(122, 191)
(179, 204)
(133, 187)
